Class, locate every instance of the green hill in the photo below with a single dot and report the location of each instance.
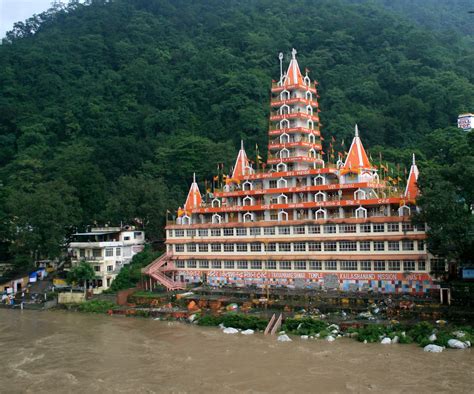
(107, 109)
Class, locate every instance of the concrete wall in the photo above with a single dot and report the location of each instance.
(71, 298)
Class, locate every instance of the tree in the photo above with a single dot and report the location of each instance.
(81, 273)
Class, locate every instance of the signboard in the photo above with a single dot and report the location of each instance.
(468, 273)
(466, 122)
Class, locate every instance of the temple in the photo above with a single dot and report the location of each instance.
(297, 220)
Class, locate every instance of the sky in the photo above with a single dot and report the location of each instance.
(12, 11)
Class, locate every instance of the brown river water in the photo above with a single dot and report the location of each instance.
(64, 352)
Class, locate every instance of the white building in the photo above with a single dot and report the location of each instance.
(466, 121)
(107, 250)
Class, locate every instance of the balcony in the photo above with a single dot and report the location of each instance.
(276, 116)
(277, 102)
(276, 88)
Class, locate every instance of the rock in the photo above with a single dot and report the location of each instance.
(376, 310)
(230, 330)
(247, 332)
(432, 338)
(317, 335)
(455, 344)
(433, 348)
(281, 333)
(395, 339)
(330, 338)
(365, 341)
(192, 318)
(304, 337)
(334, 327)
(221, 326)
(339, 336)
(386, 341)
(284, 338)
(468, 343)
(334, 332)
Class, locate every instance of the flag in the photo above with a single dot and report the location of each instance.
(216, 178)
(333, 139)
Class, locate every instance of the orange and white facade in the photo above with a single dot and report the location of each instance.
(302, 222)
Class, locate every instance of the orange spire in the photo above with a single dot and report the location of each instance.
(412, 191)
(242, 165)
(357, 158)
(293, 75)
(194, 198)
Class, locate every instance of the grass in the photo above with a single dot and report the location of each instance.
(96, 306)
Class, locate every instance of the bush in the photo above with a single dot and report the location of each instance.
(305, 326)
(235, 320)
(371, 333)
(96, 306)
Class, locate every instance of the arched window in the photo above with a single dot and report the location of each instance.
(361, 213)
(360, 194)
(248, 217)
(282, 216)
(247, 201)
(284, 138)
(216, 203)
(284, 95)
(307, 81)
(284, 124)
(404, 211)
(320, 196)
(185, 220)
(312, 138)
(321, 214)
(284, 153)
(309, 95)
(310, 124)
(309, 110)
(282, 182)
(247, 185)
(282, 199)
(284, 109)
(312, 153)
(281, 167)
(319, 180)
(216, 218)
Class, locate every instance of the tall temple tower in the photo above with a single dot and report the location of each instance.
(300, 221)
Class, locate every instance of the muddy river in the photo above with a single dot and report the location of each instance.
(72, 352)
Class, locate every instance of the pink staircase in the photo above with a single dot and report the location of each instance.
(157, 269)
(273, 326)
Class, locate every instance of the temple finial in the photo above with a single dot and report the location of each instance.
(414, 163)
(293, 53)
(194, 177)
(242, 144)
(356, 130)
(280, 56)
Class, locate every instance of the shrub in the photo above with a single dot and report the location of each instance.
(96, 306)
(305, 326)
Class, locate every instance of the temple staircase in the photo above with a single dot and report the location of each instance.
(157, 270)
(274, 325)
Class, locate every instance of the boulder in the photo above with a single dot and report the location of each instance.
(230, 330)
(395, 339)
(455, 344)
(433, 348)
(432, 338)
(284, 338)
(304, 337)
(247, 332)
(386, 341)
(330, 338)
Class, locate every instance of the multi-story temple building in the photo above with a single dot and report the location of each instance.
(300, 222)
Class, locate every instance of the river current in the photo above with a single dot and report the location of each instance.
(61, 352)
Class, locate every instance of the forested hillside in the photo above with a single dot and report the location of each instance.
(107, 109)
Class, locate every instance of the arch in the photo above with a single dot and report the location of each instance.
(216, 203)
(284, 124)
(186, 219)
(248, 217)
(309, 110)
(284, 109)
(216, 218)
(360, 194)
(282, 199)
(282, 216)
(308, 95)
(284, 95)
(321, 214)
(247, 185)
(312, 138)
(247, 201)
(320, 196)
(282, 182)
(361, 213)
(312, 153)
(319, 180)
(310, 124)
(284, 138)
(404, 210)
(284, 153)
(282, 167)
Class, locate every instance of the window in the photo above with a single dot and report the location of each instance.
(271, 247)
(299, 247)
(228, 247)
(118, 251)
(379, 227)
(203, 232)
(364, 246)
(299, 230)
(203, 248)
(97, 268)
(330, 246)
(315, 265)
(269, 231)
(346, 246)
(393, 227)
(241, 247)
(349, 265)
(229, 265)
(126, 238)
(408, 265)
(300, 265)
(82, 253)
(179, 233)
(110, 268)
(329, 229)
(228, 231)
(271, 265)
(394, 265)
(191, 247)
(406, 226)
(284, 230)
(191, 264)
(438, 265)
(256, 247)
(347, 228)
(272, 184)
(191, 233)
(242, 265)
(314, 246)
(408, 245)
(420, 227)
(255, 231)
(203, 263)
(285, 265)
(366, 265)
(180, 264)
(179, 248)
(421, 265)
(215, 232)
(96, 252)
(365, 228)
(241, 231)
(216, 247)
(315, 229)
(330, 265)
(256, 265)
(421, 245)
(393, 245)
(379, 246)
(379, 265)
(109, 252)
(216, 264)
(137, 234)
(284, 247)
